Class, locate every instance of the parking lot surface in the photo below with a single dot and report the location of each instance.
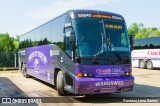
(13, 84)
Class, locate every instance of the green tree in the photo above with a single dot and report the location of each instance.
(140, 31)
(6, 47)
(134, 28)
(6, 43)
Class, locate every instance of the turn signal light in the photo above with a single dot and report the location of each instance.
(127, 73)
(130, 73)
(79, 75)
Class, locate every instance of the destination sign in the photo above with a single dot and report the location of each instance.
(100, 16)
(113, 26)
(108, 17)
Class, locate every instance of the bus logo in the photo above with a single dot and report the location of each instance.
(36, 64)
(116, 70)
(103, 70)
(38, 54)
(37, 58)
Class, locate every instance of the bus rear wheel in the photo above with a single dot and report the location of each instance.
(149, 65)
(60, 83)
(24, 71)
(142, 64)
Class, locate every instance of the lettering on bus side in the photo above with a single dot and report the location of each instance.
(153, 53)
(84, 15)
(117, 18)
(54, 52)
(22, 52)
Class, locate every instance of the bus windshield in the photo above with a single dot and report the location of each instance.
(100, 36)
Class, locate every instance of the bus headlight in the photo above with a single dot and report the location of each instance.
(84, 75)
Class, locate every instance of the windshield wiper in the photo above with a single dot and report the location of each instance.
(99, 50)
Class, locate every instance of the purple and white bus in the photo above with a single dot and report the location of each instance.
(81, 52)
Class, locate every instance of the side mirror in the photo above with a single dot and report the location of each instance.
(72, 38)
(131, 41)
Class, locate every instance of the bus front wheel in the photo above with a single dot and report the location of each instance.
(142, 64)
(60, 83)
(149, 65)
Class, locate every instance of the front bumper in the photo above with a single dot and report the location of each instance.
(103, 85)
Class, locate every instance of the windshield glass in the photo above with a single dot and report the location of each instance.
(97, 35)
(116, 36)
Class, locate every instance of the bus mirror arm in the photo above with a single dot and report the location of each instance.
(72, 40)
(74, 52)
(131, 41)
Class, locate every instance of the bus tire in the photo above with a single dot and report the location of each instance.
(60, 83)
(142, 64)
(24, 71)
(149, 65)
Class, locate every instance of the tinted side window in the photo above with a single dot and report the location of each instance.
(57, 32)
(147, 43)
(47, 33)
(51, 32)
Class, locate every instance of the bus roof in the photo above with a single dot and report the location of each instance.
(94, 14)
(83, 13)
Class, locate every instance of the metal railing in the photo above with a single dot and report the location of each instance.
(8, 59)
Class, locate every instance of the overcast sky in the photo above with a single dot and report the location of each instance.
(19, 16)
